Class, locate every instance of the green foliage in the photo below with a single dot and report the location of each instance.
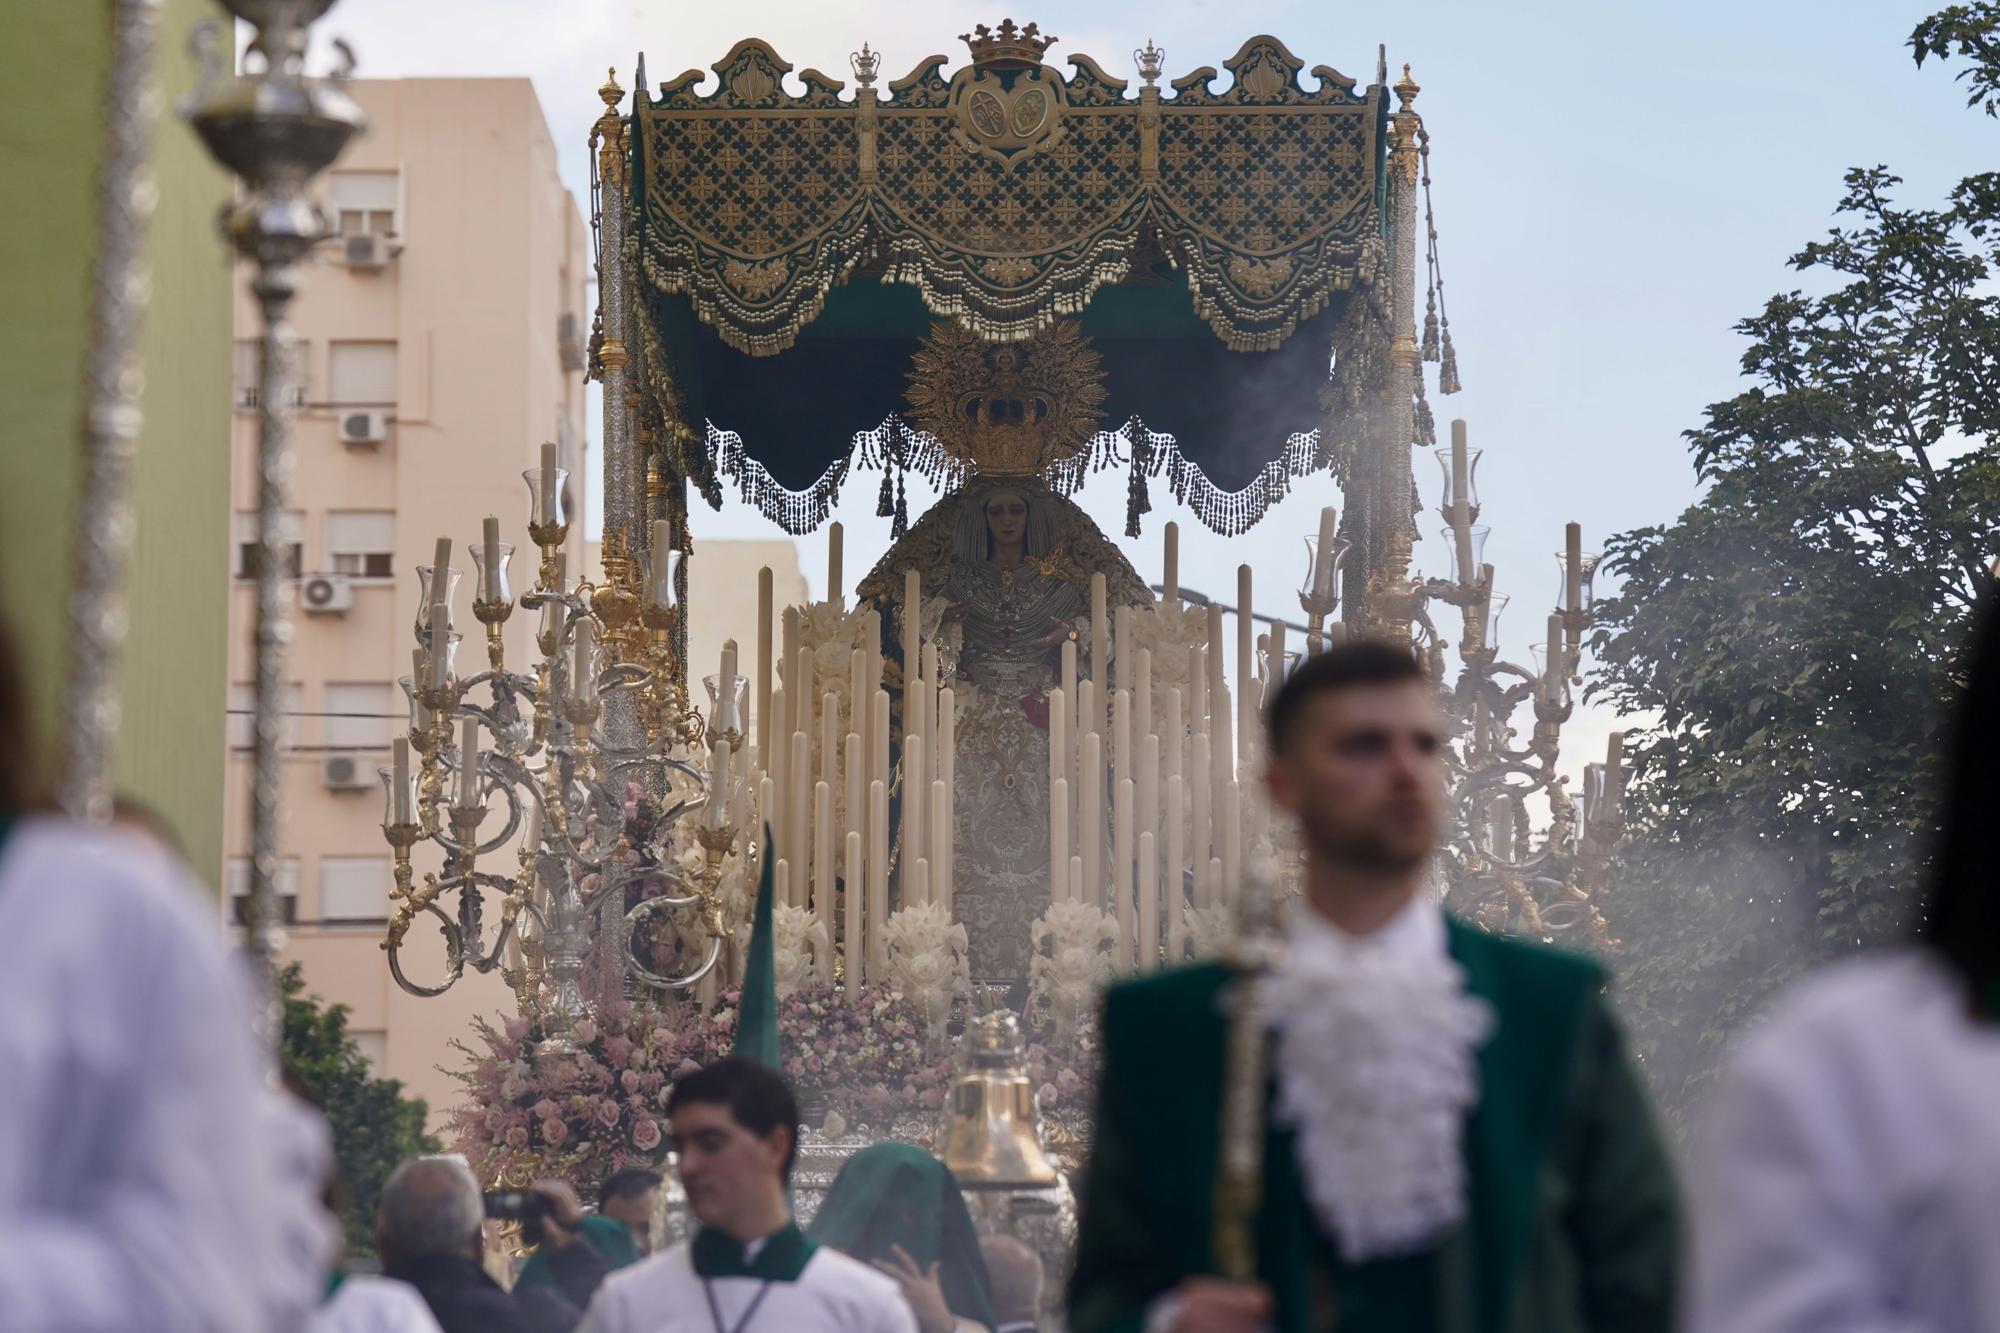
(375, 1126)
(1792, 633)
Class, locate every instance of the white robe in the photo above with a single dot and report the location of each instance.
(834, 1294)
(150, 1177)
(1848, 1168)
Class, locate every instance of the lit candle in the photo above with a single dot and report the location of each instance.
(834, 537)
(1149, 903)
(489, 555)
(856, 951)
(468, 764)
(764, 720)
(1170, 583)
(400, 809)
(548, 495)
(1323, 554)
(1172, 894)
(583, 676)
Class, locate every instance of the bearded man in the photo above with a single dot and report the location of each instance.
(1454, 1138)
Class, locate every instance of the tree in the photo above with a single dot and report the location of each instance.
(375, 1127)
(1794, 631)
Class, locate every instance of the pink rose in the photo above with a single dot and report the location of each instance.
(554, 1132)
(618, 1050)
(646, 1134)
(631, 1083)
(517, 1029)
(494, 1121)
(607, 1114)
(586, 1031)
(686, 1067)
(545, 1109)
(517, 1138)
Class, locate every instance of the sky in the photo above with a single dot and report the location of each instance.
(1616, 184)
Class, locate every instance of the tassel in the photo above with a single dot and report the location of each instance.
(1430, 349)
(1427, 433)
(1448, 381)
(901, 526)
(885, 502)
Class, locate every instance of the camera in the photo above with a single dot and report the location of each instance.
(528, 1207)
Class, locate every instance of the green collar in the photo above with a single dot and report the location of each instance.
(781, 1259)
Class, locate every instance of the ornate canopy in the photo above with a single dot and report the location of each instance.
(1221, 250)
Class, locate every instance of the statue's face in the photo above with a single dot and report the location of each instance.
(1007, 517)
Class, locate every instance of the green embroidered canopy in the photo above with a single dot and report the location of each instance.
(1221, 250)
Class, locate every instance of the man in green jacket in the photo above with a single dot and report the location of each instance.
(1454, 1139)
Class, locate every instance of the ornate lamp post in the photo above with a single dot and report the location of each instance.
(275, 129)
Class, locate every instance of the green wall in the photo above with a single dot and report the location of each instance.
(52, 60)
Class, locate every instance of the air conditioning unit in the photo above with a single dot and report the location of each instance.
(370, 427)
(364, 250)
(346, 772)
(326, 594)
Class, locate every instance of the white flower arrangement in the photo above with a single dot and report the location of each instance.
(1210, 930)
(1073, 959)
(1174, 633)
(927, 960)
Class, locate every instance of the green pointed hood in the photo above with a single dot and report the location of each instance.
(757, 1017)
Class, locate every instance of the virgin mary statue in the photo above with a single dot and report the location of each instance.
(1012, 561)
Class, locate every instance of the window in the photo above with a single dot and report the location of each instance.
(246, 392)
(361, 543)
(236, 881)
(243, 699)
(365, 202)
(359, 715)
(354, 888)
(291, 535)
(361, 374)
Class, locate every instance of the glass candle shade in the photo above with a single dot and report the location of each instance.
(493, 585)
(548, 505)
(1478, 546)
(425, 597)
(656, 578)
(1448, 495)
(1491, 628)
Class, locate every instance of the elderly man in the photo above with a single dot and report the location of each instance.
(431, 1233)
(1015, 1272)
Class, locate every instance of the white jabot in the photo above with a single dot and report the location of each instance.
(1847, 1170)
(1377, 1068)
(150, 1178)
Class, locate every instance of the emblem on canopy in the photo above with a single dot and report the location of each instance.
(1006, 104)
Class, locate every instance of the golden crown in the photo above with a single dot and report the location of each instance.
(1006, 47)
(1007, 409)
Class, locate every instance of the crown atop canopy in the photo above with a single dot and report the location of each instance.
(1006, 47)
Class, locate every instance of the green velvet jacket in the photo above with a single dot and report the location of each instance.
(1573, 1221)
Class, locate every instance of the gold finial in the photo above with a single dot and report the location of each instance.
(1407, 89)
(612, 94)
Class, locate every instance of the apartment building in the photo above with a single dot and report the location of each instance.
(441, 337)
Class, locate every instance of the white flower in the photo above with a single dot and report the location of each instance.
(927, 959)
(1211, 930)
(1072, 958)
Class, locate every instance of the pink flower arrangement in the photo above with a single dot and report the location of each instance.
(646, 1134)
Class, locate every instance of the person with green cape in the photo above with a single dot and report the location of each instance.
(897, 1207)
(749, 1269)
(1450, 1137)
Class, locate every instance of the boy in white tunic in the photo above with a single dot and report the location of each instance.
(749, 1269)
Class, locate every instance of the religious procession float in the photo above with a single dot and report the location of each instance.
(1009, 766)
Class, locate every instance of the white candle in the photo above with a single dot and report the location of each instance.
(856, 952)
(1124, 820)
(1200, 812)
(1142, 692)
(1090, 814)
(1069, 673)
(856, 799)
(1100, 635)
(1170, 583)
(835, 535)
(1121, 734)
(767, 809)
(661, 542)
(940, 826)
(1149, 903)
(1573, 567)
(781, 882)
(1277, 663)
(916, 838)
(440, 636)
(468, 763)
(1461, 504)
(725, 698)
(1147, 780)
(913, 613)
(1059, 839)
(1173, 752)
(821, 903)
(798, 812)
(547, 498)
(1121, 638)
(1076, 879)
(1059, 765)
(1323, 553)
(946, 772)
(1232, 843)
(1215, 879)
(1246, 659)
(718, 786)
(765, 597)
(583, 681)
(1173, 895)
(489, 554)
(878, 740)
(1554, 658)
(829, 740)
(878, 873)
(920, 883)
(857, 691)
(1197, 715)
(400, 811)
(1221, 748)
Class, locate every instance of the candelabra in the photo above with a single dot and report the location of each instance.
(1499, 871)
(595, 867)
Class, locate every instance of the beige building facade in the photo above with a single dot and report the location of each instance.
(442, 340)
